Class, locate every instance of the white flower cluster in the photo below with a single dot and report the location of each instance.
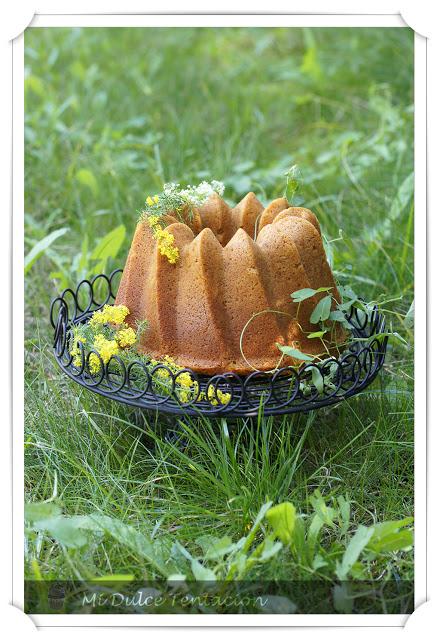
(195, 195)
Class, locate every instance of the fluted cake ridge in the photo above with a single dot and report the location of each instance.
(226, 303)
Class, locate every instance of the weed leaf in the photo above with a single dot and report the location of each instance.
(304, 294)
(86, 178)
(355, 547)
(317, 334)
(37, 511)
(41, 247)
(108, 247)
(282, 519)
(322, 310)
(294, 353)
(408, 320)
(317, 379)
(202, 573)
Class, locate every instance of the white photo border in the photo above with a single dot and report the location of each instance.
(222, 20)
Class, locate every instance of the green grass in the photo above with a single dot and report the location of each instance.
(113, 113)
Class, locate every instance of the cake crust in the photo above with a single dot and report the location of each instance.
(226, 302)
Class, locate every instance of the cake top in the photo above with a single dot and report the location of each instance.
(201, 208)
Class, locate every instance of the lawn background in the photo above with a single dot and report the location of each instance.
(111, 114)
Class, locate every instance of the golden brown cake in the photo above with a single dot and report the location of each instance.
(233, 264)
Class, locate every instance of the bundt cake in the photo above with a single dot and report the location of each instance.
(234, 263)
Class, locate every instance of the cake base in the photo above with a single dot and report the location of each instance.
(287, 390)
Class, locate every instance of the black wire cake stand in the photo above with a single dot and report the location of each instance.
(287, 390)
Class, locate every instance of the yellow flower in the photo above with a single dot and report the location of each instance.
(163, 236)
(105, 348)
(185, 396)
(76, 351)
(213, 395)
(165, 243)
(169, 362)
(126, 337)
(161, 373)
(185, 380)
(152, 200)
(117, 314)
(186, 388)
(97, 318)
(153, 221)
(114, 314)
(94, 363)
(165, 239)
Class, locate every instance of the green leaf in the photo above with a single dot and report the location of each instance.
(393, 542)
(396, 337)
(304, 294)
(317, 334)
(108, 247)
(344, 513)
(337, 316)
(328, 248)
(252, 533)
(86, 178)
(128, 536)
(317, 379)
(344, 306)
(41, 247)
(181, 549)
(357, 544)
(313, 534)
(401, 200)
(294, 353)
(318, 562)
(347, 292)
(202, 573)
(267, 549)
(293, 182)
(359, 571)
(282, 520)
(389, 536)
(403, 197)
(63, 530)
(215, 548)
(393, 335)
(35, 511)
(322, 310)
(88, 523)
(327, 514)
(408, 321)
(299, 540)
(390, 526)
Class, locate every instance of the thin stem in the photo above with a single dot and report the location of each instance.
(255, 315)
